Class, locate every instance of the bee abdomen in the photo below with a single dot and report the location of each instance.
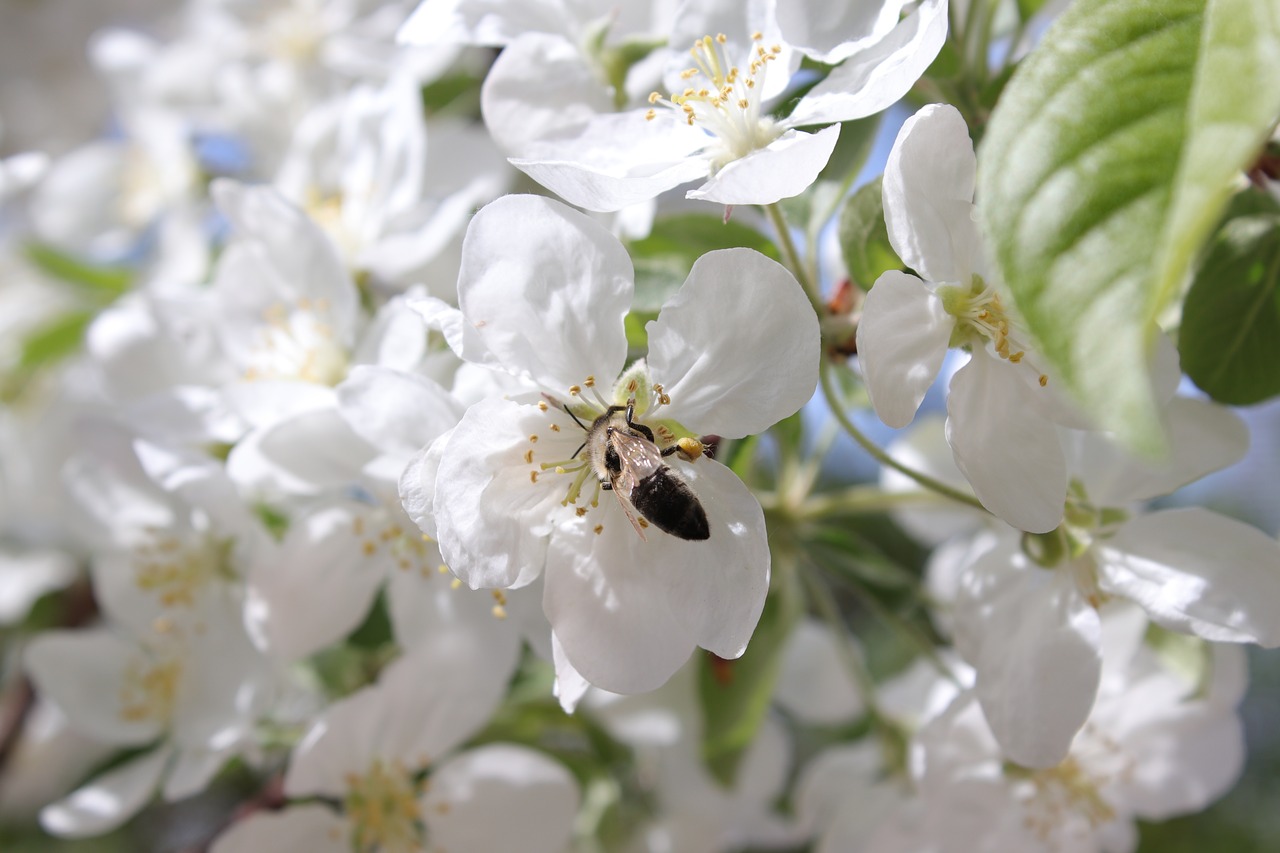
(666, 501)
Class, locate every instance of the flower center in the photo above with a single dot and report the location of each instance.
(1071, 791)
(981, 317)
(725, 102)
(298, 344)
(177, 570)
(382, 806)
(149, 689)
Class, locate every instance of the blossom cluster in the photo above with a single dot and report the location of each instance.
(366, 443)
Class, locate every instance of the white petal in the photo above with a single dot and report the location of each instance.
(418, 485)
(831, 32)
(570, 686)
(1199, 573)
(280, 255)
(716, 588)
(1008, 453)
(549, 305)
(83, 673)
(539, 88)
(493, 24)
(736, 347)
(1203, 437)
(424, 704)
(877, 77)
(902, 339)
(535, 797)
(314, 828)
(263, 402)
(608, 611)
(398, 413)
(784, 168)
(317, 586)
(191, 772)
(928, 195)
(815, 685)
(491, 518)
(1035, 644)
(307, 454)
(107, 801)
(425, 608)
(618, 159)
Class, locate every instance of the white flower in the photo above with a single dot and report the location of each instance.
(388, 194)
(1157, 744)
(508, 492)
(1000, 422)
(1026, 613)
(714, 123)
(369, 752)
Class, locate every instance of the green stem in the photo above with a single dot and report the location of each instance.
(837, 410)
(792, 258)
(859, 500)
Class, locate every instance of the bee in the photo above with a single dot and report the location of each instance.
(628, 463)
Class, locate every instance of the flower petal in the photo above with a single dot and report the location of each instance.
(536, 797)
(1197, 572)
(815, 686)
(418, 485)
(784, 168)
(540, 87)
(82, 673)
(424, 704)
(608, 611)
(109, 800)
(313, 827)
(618, 159)
(1008, 453)
(549, 305)
(736, 347)
(830, 32)
(1203, 437)
(398, 413)
(492, 515)
(1034, 642)
(928, 195)
(316, 587)
(902, 340)
(874, 78)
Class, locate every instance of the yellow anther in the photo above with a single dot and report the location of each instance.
(555, 427)
(455, 583)
(599, 528)
(533, 439)
(590, 382)
(542, 405)
(499, 612)
(1044, 380)
(574, 390)
(533, 476)
(442, 569)
(528, 456)
(358, 525)
(499, 596)
(581, 511)
(650, 115)
(370, 547)
(644, 522)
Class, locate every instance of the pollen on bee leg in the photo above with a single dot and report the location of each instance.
(690, 448)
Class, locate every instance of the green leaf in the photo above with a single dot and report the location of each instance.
(735, 694)
(1230, 335)
(1108, 161)
(102, 281)
(54, 341)
(864, 239)
(663, 259)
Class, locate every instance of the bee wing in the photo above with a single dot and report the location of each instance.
(638, 459)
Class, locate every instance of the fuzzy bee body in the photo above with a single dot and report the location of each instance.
(629, 464)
